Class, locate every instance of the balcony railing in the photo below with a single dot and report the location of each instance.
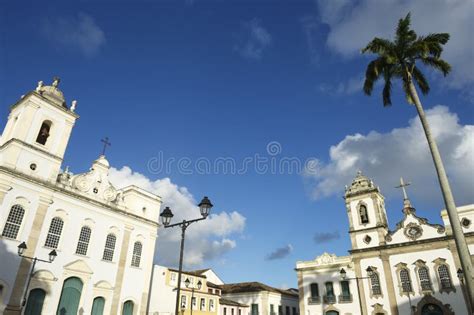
(314, 300)
(345, 298)
(329, 299)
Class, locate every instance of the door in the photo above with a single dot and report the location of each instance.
(98, 306)
(431, 309)
(127, 308)
(70, 297)
(35, 302)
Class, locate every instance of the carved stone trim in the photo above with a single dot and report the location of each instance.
(442, 262)
(428, 299)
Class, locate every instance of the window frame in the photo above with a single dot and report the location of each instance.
(109, 248)
(441, 262)
(136, 254)
(402, 267)
(425, 285)
(82, 242)
(52, 235)
(375, 276)
(15, 224)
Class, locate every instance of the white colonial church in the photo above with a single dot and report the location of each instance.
(412, 269)
(103, 237)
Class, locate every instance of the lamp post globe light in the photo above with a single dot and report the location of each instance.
(166, 215)
(21, 251)
(343, 274)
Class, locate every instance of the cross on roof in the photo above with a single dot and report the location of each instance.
(106, 143)
(402, 186)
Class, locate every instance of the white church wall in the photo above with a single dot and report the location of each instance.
(376, 264)
(370, 211)
(455, 299)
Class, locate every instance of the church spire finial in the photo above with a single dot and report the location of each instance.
(56, 81)
(106, 143)
(406, 201)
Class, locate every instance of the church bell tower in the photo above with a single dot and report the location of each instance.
(366, 211)
(37, 132)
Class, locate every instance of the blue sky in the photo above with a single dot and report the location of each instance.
(209, 80)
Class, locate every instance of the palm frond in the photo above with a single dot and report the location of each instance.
(372, 74)
(438, 64)
(441, 38)
(420, 80)
(403, 26)
(404, 35)
(378, 46)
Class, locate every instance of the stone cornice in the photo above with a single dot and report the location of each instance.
(379, 249)
(34, 93)
(31, 147)
(55, 188)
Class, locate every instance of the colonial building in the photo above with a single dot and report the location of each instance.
(104, 237)
(261, 298)
(198, 295)
(411, 269)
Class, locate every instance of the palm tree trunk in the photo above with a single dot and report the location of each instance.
(461, 245)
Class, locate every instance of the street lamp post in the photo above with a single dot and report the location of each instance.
(204, 207)
(460, 274)
(343, 274)
(21, 250)
(199, 285)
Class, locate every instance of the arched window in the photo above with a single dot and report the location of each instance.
(13, 224)
(127, 308)
(35, 302)
(364, 216)
(109, 247)
(43, 133)
(137, 254)
(424, 276)
(54, 233)
(444, 278)
(375, 284)
(405, 281)
(70, 296)
(98, 306)
(83, 242)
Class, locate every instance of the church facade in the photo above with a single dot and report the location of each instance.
(412, 269)
(103, 237)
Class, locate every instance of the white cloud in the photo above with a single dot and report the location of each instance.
(205, 240)
(403, 152)
(350, 86)
(255, 40)
(79, 32)
(311, 28)
(353, 24)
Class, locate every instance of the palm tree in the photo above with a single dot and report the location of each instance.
(398, 59)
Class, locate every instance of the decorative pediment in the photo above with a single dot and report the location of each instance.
(94, 183)
(412, 228)
(79, 266)
(326, 259)
(44, 275)
(103, 285)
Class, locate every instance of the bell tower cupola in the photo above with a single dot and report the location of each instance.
(37, 132)
(366, 212)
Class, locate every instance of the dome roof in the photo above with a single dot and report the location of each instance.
(103, 161)
(51, 92)
(360, 184)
